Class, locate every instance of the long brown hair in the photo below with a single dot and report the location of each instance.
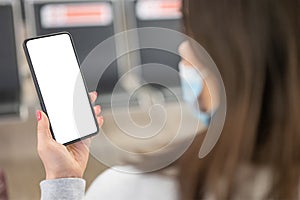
(255, 45)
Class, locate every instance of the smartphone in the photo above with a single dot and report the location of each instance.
(60, 86)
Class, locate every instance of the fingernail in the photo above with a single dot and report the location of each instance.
(95, 93)
(38, 115)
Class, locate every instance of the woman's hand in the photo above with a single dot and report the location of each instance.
(63, 161)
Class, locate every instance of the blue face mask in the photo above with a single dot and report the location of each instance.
(192, 85)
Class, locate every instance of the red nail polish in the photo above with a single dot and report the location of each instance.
(38, 115)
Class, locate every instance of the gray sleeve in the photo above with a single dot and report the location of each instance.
(63, 188)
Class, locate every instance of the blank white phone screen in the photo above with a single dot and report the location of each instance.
(62, 87)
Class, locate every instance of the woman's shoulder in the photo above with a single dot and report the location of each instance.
(127, 182)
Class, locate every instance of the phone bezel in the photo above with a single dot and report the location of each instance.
(43, 106)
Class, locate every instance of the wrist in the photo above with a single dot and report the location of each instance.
(51, 177)
(63, 174)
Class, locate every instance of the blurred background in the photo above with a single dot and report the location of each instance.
(90, 23)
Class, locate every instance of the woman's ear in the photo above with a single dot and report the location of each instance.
(187, 55)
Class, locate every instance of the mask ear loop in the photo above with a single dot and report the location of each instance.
(204, 117)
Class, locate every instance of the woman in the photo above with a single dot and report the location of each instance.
(256, 47)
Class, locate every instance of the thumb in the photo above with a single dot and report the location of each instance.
(43, 130)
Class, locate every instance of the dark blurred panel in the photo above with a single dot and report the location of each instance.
(9, 78)
(162, 14)
(80, 19)
(22, 9)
